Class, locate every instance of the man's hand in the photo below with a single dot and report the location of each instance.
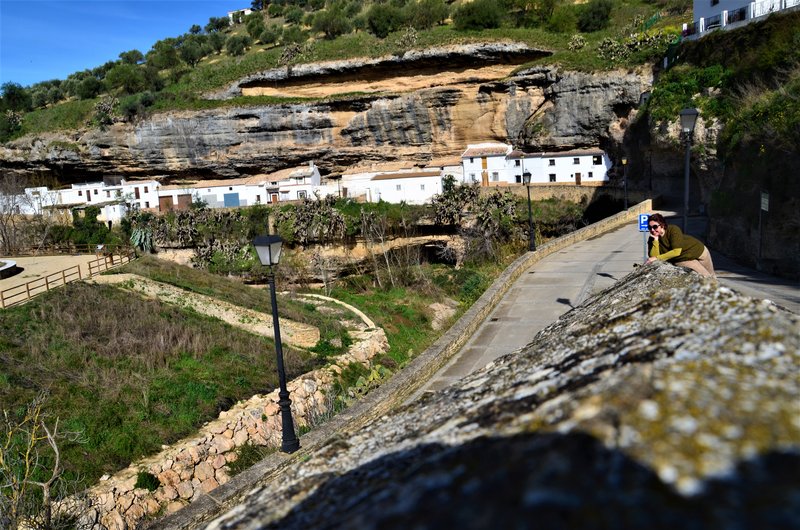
(650, 260)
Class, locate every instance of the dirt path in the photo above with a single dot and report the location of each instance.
(294, 333)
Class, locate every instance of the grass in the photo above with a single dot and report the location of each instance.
(236, 293)
(128, 374)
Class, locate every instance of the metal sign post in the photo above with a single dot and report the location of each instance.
(644, 219)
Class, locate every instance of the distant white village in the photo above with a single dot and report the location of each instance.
(486, 164)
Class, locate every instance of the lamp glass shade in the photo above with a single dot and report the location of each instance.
(269, 249)
(688, 119)
(624, 161)
(526, 177)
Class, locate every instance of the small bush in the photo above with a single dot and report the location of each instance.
(248, 455)
(237, 45)
(148, 481)
(480, 14)
(563, 20)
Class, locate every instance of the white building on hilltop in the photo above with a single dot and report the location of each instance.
(711, 15)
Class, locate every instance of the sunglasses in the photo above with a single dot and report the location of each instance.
(653, 227)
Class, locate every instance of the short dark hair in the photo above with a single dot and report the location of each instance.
(657, 217)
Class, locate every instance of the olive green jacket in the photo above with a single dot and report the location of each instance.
(680, 246)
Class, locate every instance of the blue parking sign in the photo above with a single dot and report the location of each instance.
(643, 219)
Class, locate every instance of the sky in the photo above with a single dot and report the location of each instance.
(50, 39)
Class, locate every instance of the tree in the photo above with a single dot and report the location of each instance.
(164, 54)
(255, 25)
(480, 14)
(127, 78)
(216, 41)
(425, 14)
(293, 15)
(237, 44)
(89, 88)
(383, 19)
(270, 35)
(30, 458)
(15, 97)
(259, 5)
(191, 52)
(195, 29)
(595, 15)
(332, 22)
(131, 57)
(217, 24)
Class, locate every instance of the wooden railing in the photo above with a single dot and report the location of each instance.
(22, 293)
(65, 248)
(109, 261)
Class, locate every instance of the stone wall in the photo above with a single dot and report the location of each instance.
(199, 464)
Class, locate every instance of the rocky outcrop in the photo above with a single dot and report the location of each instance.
(433, 107)
(663, 399)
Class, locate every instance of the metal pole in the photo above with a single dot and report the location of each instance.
(289, 442)
(532, 244)
(688, 141)
(625, 183)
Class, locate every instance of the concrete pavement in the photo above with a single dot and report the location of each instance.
(565, 279)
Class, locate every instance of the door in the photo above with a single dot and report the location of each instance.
(184, 201)
(273, 198)
(231, 200)
(577, 179)
(165, 203)
(484, 172)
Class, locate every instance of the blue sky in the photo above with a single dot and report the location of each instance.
(46, 39)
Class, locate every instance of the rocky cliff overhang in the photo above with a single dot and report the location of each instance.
(436, 59)
(665, 400)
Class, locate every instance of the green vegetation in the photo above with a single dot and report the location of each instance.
(177, 73)
(127, 374)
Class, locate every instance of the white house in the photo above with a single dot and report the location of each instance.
(238, 15)
(500, 165)
(413, 187)
(709, 15)
(486, 163)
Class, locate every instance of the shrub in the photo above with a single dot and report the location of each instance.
(293, 15)
(480, 14)
(424, 14)
(595, 15)
(563, 20)
(332, 22)
(270, 35)
(275, 10)
(293, 34)
(147, 481)
(383, 19)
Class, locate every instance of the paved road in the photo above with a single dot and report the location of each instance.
(561, 281)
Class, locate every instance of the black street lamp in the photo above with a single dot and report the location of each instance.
(688, 120)
(625, 179)
(526, 178)
(269, 253)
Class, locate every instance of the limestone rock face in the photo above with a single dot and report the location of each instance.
(411, 108)
(665, 400)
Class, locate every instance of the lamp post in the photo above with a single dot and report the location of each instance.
(625, 179)
(688, 120)
(526, 178)
(269, 253)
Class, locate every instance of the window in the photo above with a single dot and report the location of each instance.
(516, 163)
(714, 2)
(576, 161)
(597, 160)
(145, 189)
(108, 193)
(258, 199)
(495, 176)
(398, 187)
(301, 194)
(80, 193)
(552, 161)
(422, 187)
(230, 188)
(95, 192)
(552, 177)
(471, 160)
(591, 174)
(518, 179)
(147, 204)
(472, 177)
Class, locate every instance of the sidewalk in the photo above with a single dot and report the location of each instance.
(566, 279)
